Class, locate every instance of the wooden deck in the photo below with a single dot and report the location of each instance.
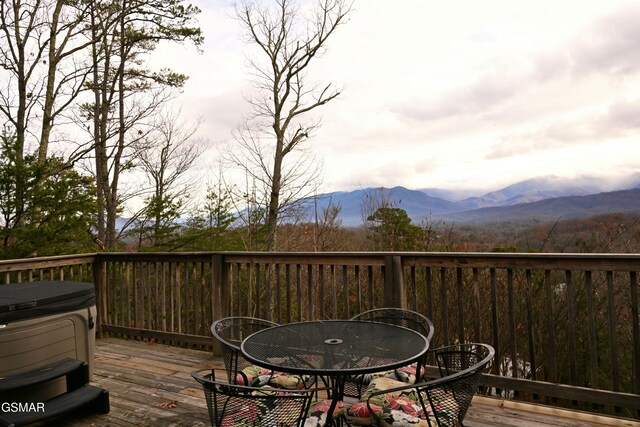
(151, 385)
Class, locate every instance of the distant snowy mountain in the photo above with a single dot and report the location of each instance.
(355, 205)
(533, 190)
(569, 207)
(567, 195)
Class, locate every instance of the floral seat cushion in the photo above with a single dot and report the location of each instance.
(399, 408)
(406, 374)
(317, 416)
(249, 414)
(359, 413)
(260, 412)
(255, 376)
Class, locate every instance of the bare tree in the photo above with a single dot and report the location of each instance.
(278, 125)
(23, 45)
(166, 155)
(42, 53)
(326, 227)
(125, 93)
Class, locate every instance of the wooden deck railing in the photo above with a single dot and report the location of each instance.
(565, 326)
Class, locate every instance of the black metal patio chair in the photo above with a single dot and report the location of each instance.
(442, 401)
(238, 405)
(230, 331)
(396, 316)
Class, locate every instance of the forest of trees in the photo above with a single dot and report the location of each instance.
(87, 127)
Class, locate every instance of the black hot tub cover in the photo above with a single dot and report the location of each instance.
(19, 301)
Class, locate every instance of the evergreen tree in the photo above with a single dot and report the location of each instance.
(391, 229)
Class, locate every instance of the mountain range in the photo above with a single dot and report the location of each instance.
(541, 199)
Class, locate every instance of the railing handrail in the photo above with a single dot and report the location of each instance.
(553, 261)
(46, 261)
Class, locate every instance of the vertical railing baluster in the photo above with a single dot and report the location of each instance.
(143, 298)
(633, 290)
(240, 290)
(321, 302)
(310, 313)
(358, 288)
(571, 326)
(429, 291)
(163, 297)
(299, 291)
(476, 306)
(413, 305)
(278, 286)
(206, 269)
(345, 288)
(591, 319)
(151, 298)
(372, 296)
(551, 342)
(334, 291)
(612, 332)
(179, 296)
(494, 319)
(136, 296)
(109, 293)
(258, 293)
(129, 292)
(530, 325)
(123, 296)
(444, 306)
(461, 334)
(512, 324)
(172, 293)
(287, 273)
(198, 302)
(246, 286)
(153, 291)
(188, 300)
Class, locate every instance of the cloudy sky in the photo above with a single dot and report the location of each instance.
(450, 94)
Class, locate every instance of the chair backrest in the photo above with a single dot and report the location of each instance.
(401, 317)
(230, 331)
(231, 404)
(461, 368)
(447, 399)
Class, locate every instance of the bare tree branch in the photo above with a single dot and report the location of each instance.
(276, 129)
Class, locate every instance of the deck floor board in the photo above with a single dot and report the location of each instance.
(150, 385)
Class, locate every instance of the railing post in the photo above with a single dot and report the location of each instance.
(394, 294)
(100, 283)
(220, 293)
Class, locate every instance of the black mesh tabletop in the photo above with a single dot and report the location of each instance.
(334, 347)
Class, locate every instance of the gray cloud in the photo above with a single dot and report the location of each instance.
(221, 113)
(609, 46)
(618, 120)
(621, 117)
(487, 92)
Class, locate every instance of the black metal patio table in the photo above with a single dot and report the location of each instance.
(335, 349)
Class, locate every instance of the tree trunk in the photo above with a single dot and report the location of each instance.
(49, 97)
(274, 198)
